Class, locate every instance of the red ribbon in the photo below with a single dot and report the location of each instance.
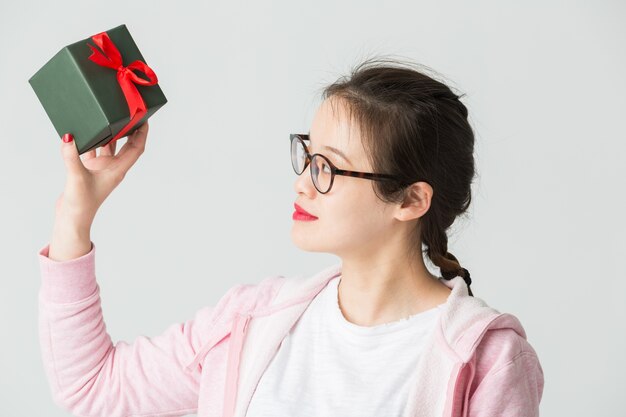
(110, 57)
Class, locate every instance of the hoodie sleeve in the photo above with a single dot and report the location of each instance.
(513, 387)
(88, 374)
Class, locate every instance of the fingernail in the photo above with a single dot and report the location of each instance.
(67, 137)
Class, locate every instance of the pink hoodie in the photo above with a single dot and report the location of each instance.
(477, 362)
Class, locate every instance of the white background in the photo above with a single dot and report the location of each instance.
(209, 203)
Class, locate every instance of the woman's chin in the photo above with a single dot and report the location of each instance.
(304, 241)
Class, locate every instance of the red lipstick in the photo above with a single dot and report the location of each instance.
(302, 214)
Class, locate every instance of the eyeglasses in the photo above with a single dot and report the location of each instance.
(322, 170)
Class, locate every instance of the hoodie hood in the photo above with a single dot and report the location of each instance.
(463, 321)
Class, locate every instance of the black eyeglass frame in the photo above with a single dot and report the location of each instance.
(333, 169)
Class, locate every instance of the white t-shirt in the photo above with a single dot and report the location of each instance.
(328, 366)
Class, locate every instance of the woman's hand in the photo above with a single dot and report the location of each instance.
(90, 179)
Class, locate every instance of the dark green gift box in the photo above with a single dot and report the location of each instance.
(86, 99)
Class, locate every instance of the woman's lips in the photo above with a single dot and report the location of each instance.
(301, 214)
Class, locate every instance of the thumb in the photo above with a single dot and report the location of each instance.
(70, 154)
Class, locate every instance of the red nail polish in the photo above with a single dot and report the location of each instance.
(68, 137)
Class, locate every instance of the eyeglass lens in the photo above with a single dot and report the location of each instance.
(321, 172)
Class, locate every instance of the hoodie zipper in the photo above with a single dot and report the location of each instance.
(238, 333)
(463, 411)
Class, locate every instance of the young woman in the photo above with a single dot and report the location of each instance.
(385, 169)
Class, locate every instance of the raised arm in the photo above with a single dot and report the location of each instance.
(88, 374)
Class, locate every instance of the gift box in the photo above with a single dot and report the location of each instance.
(98, 89)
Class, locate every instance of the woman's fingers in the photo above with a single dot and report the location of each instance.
(132, 149)
(88, 155)
(108, 149)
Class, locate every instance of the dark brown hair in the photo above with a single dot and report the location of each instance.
(414, 126)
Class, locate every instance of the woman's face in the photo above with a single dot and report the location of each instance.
(351, 220)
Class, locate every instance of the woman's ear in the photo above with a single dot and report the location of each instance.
(416, 202)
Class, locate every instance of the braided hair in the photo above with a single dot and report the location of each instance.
(413, 126)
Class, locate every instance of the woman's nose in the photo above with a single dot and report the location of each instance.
(304, 184)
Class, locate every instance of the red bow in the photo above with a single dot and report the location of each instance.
(111, 57)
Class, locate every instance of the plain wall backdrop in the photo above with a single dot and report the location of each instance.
(209, 203)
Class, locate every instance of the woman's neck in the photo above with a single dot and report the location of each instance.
(372, 294)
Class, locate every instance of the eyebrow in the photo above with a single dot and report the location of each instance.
(334, 150)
